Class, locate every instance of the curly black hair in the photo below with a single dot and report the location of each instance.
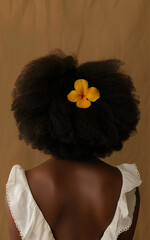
(48, 121)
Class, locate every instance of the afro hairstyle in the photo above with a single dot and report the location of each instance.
(49, 122)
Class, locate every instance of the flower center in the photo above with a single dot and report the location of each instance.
(83, 96)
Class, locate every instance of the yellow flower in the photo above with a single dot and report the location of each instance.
(82, 95)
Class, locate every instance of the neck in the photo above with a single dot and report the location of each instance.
(90, 161)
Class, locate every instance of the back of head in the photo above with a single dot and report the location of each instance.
(49, 122)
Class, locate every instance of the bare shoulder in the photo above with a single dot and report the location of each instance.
(41, 175)
(40, 179)
(112, 185)
(43, 188)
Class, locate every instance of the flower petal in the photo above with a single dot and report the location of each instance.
(92, 94)
(81, 85)
(83, 103)
(74, 96)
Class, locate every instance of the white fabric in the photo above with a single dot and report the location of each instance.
(33, 226)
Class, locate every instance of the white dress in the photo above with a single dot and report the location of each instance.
(33, 226)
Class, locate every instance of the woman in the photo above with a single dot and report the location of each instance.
(77, 114)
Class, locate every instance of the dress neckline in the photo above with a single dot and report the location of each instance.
(45, 221)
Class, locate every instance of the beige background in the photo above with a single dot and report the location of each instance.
(92, 29)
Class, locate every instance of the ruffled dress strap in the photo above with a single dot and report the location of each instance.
(123, 216)
(27, 216)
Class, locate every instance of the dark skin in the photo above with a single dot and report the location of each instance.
(78, 200)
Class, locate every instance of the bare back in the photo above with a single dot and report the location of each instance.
(78, 202)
